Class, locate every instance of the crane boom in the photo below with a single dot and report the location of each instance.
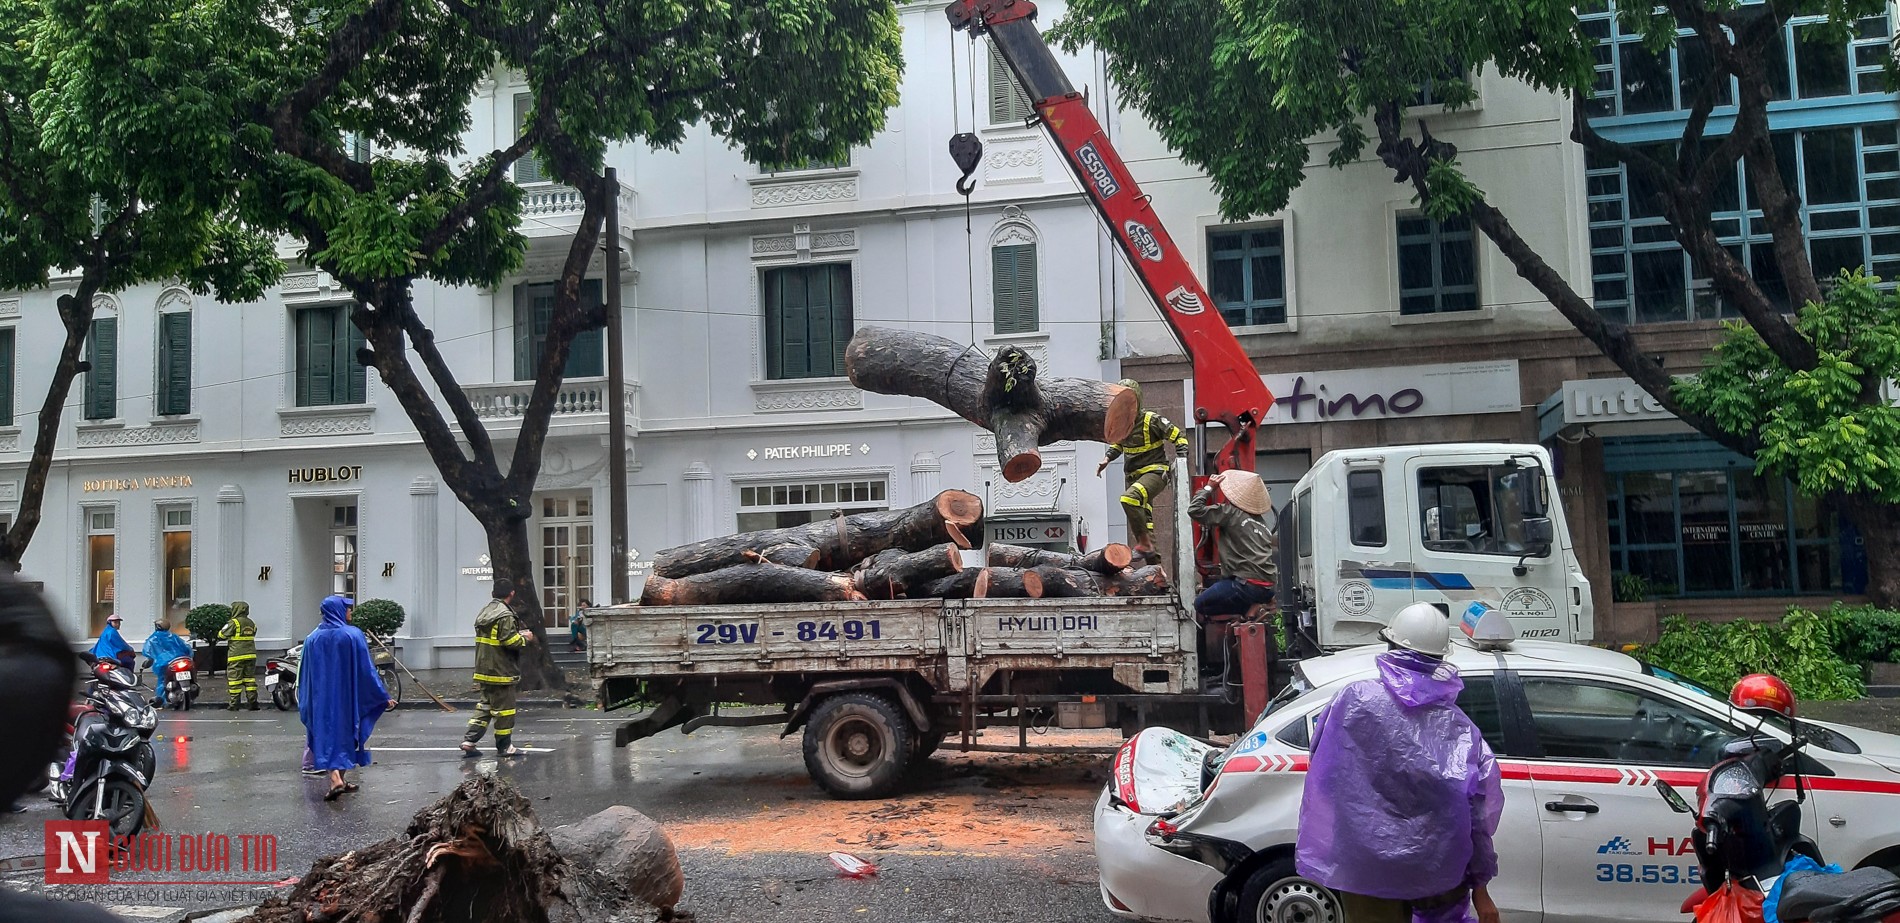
(1227, 390)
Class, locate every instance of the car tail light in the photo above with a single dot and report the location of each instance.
(1125, 776)
(1116, 902)
(1163, 829)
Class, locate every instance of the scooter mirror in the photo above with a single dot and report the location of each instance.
(1674, 798)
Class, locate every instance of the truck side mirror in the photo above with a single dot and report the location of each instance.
(1540, 532)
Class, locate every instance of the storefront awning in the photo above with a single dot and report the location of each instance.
(1604, 407)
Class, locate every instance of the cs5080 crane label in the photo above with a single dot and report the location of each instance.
(1091, 160)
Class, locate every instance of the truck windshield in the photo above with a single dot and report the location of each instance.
(1481, 509)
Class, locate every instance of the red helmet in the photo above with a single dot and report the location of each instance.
(1763, 691)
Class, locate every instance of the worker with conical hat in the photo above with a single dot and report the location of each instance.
(1147, 470)
(1234, 505)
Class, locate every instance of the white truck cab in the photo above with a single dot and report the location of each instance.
(1368, 532)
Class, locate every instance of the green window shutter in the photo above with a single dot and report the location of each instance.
(528, 169)
(354, 374)
(6, 376)
(102, 382)
(841, 322)
(1008, 102)
(174, 363)
(1013, 270)
(793, 290)
(586, 356)
(315, 357)
(774, 286)
(524, 334)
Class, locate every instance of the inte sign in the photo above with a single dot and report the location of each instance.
(1389, 393)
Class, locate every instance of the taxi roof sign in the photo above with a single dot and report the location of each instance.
(1489, 629)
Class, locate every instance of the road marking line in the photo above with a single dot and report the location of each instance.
(376, 749)
(133, 910)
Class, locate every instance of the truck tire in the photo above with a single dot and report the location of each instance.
(857, 745)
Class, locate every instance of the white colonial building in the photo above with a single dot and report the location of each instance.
(220, 452)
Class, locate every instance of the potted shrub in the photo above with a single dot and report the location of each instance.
(1870, 635)
(208, 652)
(379, 616)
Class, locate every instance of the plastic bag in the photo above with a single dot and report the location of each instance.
(1731, 904)
(1796, 863)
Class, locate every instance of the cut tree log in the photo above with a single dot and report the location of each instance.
(891, 573)
(1067, 583)
(1004, 395)
(961, 585)
(835, 543)
(1008, 583)
(1147, 581)
(756, 581)
(478, 847)
(1109, 559)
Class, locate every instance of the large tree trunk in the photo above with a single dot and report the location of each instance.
(1067, 583)
(1003, 395)
(961, 585)
(1879, 526)
(75, 314)
(478, 855)
(1108, 559)
(891, 573)
(512, 557)
(758, 581)
(1147, 581)
(837, 543)
(1008, 583)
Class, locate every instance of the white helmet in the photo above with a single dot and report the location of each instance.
(1420, 627)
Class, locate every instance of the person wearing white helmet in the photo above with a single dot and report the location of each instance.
(1402, 794)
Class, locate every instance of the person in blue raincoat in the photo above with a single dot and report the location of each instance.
(160, 649)
(339, 695)
(111, 644)
(1402, 794)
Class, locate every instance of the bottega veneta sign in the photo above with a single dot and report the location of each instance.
(105, 485)
(1397, 392)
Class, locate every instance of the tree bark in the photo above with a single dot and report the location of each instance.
(890, 574)
(480, 846)
(757, 581)
(1007, 583)
(1067, 583)
(961, 585)
(1004, 395)
(511, 556)
(1879, 526)
(75, 315)
(839, 542)
(1147, 581)
(1108, 559)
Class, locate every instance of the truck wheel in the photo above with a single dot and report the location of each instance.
(928, 743)
(1276, 893)
(857, 745)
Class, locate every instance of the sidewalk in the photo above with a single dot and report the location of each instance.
(455, 686)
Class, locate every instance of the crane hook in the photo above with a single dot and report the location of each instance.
(967, 150)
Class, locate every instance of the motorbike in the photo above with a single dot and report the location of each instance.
(111, 760)
(280, 677)
(385, 661)
(181, 683)
(1743, 842)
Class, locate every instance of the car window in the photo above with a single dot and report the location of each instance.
(1299, 733)
(1592, 720)
(1479, 701)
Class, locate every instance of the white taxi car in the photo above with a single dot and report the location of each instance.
(1189, 832)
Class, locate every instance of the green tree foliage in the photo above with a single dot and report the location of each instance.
(287, 81)
(1800, 649)
(1818, 425)
(108, 181)
(381, 616)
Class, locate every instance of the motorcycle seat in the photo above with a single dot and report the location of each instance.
(1862, 894)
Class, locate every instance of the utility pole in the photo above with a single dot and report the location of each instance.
(616, 402)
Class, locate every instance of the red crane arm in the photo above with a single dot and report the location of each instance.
(1227, 389)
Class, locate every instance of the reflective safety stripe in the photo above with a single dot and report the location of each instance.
(481, 640)
(503, 680)
(1151, 469)
(240, 657)
(505, 714)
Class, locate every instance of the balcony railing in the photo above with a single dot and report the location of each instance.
(546, 201)
(578, 398)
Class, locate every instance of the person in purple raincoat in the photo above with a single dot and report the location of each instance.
(339, 695)
(1402, 793)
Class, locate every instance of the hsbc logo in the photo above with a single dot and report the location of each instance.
(1143, 239)
(1097, 169)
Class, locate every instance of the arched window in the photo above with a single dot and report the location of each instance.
(1013, 277)
(102, 355)
(172, 390)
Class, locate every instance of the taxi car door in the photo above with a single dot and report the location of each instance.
(1612, 848)
(1518, 889)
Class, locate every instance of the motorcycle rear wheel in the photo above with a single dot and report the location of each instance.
(122, 805)
(284, 697)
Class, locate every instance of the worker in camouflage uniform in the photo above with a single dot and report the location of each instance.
(498, 644)
(240, 671)
(1147, 470)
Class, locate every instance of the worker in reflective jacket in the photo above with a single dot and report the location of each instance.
(1147, 470)
(240, 671)
(498, 644)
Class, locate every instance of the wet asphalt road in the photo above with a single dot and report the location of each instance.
(992, 838)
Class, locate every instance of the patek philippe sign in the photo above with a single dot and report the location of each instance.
(1606, 400)
(786, 452)
(1396, 392)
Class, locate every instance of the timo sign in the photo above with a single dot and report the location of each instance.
(1396, 392)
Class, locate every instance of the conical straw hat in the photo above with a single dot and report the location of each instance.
(1245, 490)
